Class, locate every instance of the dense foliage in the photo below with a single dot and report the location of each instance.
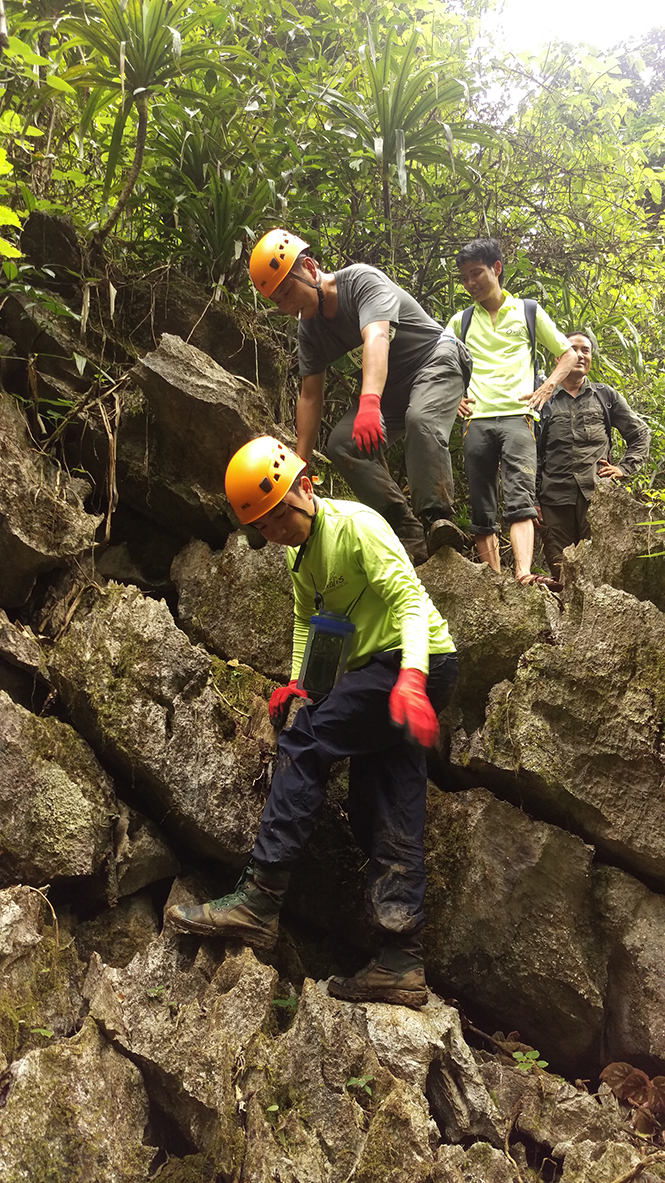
(175, 132)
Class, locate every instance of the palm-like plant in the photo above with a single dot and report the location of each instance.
(402, 117)
(135, 50)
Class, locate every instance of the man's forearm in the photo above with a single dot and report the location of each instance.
(375, 361)
(562, 368)
(308, 414)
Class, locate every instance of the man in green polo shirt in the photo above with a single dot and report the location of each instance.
(501, 404)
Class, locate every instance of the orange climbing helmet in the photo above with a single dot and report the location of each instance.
(258, 477)
(272, 259)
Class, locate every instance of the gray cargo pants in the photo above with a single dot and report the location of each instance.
(425, 424)
(505, 444)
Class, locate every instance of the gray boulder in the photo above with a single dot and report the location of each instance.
(426, 1049)
(310, 1116)
(492, 620)
(142, 855)
(118, 934)
(190, 732)
(632, 921)
(582, 722)
(606, 1162)
(19, 647)
(40, 972)
(189, 1021)
(508, 927)
(550, 1112)
(20, 923)
(23, 670)
(50, 340)
(77, 1110)
(239, 603)
(481, 1163)
(42, 517)
(200, 415)
(56, 801)
(623, 550)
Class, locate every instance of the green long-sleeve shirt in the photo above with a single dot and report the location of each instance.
(359, 567)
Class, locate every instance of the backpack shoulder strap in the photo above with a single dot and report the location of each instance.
(545, 414)
(530, 310)
(466, 321)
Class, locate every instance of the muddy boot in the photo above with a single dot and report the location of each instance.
(440, 531)
(397, 975)
(250, 913)
(409, 531)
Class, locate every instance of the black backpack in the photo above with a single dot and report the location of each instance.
(530, 308)
(604, 396)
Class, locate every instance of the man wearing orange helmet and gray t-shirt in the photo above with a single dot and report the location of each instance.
(371, 650)
(413, 375)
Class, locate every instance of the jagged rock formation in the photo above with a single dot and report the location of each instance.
(135, 741)
(42, 516)
(238, 603)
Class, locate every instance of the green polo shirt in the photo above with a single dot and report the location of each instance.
(360, 568)
(501, 352)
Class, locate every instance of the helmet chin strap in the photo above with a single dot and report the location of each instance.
(316, 286)
(303, 545)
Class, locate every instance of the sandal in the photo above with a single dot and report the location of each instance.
(541, 581)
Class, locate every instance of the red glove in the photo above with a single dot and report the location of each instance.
(369, 429)
(280, 700)
(410, 708)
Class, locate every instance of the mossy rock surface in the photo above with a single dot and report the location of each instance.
(192, 736)
(75, 1113)
(56, 801)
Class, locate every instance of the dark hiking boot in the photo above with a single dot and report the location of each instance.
(443, 532)
(250, 912)
(397, 975)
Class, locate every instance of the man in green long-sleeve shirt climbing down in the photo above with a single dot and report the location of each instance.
(358, 602)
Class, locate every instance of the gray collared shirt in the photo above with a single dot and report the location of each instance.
(576, 439)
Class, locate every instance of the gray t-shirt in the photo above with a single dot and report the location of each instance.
(364, 295)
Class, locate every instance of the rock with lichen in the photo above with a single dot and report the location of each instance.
(200, 414)
(77, 1110)
(577, 735)
(492, 620)
(190, 733)
(320, 1106)
(631, 921)
(42, 516)
(189, 1019)
(427, 1049)
(238, 602)
(480, 1163)
(118, 934)
(142, 854)
(56, 802)
(41, 975)
(626, 549)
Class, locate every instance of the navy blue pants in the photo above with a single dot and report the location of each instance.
(387, 784)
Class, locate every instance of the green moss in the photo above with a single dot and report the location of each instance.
(195, 1168)
(36, 988)
(447, 856)
(239, 684)
(384, 1148)
(61, 1154)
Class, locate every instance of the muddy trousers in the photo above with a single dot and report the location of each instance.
(387, 784)
(565, 525)
(425, 425)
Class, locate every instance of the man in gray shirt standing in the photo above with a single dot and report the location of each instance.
(413, 375)
(574, 451)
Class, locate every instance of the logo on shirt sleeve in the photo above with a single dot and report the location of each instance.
(356, 354)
